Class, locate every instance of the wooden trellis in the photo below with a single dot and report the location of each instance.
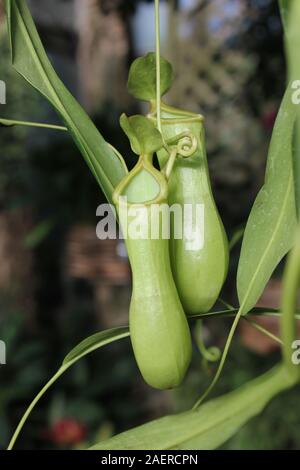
(205, 67)
(211, 74)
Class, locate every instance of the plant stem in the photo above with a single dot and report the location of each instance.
(291, 285)
(236, 238)
(170, 163)
(288, 326)
(209, 354)
(10, 122)
(69, 360)
(223, 359)
(227, 305)
(157, 46)
(33, 403)
(263, 330)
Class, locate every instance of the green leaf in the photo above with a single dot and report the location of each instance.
(291, 12)
(210, 425)
(142, 77)
(284, 10)
(30, 60)
(271, 226)
(94, 342)
(142, 133)
(87, 346)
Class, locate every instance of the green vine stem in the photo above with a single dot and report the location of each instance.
(85, 347)
(186, 146)
(263, 330)
(167, 170)
(223, 358)
(157, 46)
(186, 143)
(289, 305)
(65, 367)
(33, 403)
(11, 122)
(288, 318)
(209, 354)
(255, 325)
(237, 236)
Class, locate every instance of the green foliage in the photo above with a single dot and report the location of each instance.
(88, 345)
(26, 47)
(25, 369)
(94, 342)
(277, 428)
(271, 226)
(143, 135)
(209, 426)
(289, 305)
(291, 10)
(142, 77)
(269, 235)
(284, 10)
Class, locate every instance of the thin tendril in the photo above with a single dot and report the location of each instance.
(186, 146)
(167, 170)
(11, 123)
(263, 330)
(210, 354)
(157, 45)
(226, 304)
(223, 359)
(33, 403)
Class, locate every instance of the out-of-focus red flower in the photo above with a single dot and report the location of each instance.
(268, 119)
(67, 431)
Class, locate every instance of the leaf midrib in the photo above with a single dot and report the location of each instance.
(272, 238)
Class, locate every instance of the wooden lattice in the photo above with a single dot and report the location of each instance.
(205, 64)
(211, 75)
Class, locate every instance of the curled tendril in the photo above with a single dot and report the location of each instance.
(184, 145)
(187, 145)
(211, 354)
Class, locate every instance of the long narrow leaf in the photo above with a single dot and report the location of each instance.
(94, 342)
(284, 10)
(30, 60)
(270, 230)
(207, 427)
(271, 226)
(290, 11)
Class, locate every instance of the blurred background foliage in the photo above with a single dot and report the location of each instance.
(58, 283)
